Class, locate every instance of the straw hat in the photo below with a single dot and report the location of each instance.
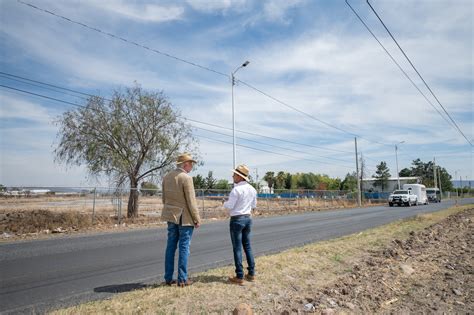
(243, 171)
(185, 157)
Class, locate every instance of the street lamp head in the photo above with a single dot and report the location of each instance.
(245, 64)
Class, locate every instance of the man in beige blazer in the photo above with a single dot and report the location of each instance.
(181, 213)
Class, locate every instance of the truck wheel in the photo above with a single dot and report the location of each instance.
(390, 204)
(408, 203)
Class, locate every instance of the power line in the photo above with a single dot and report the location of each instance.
(397, 64)
(308, 115)
(271, 145)
(45, 85)
(268, 137)
(82, 106)
(272, 152)
(122, 39)
(43, 96)
(195, 65)
(244, 146)
(421, 77)
(40, 86)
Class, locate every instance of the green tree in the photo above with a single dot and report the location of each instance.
(288, 181)
(199, 182)
(149, 189)
(270, 179)
(425, 171)
(406, 172)
(382, 174)
(350, 182)
(307, 181)
(280, 180)
(223, 184)
(2, 188)
(210, 181)
(127, 138)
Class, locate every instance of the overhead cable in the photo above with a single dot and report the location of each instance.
(82, 106)
(419, 75)
(397, 64)
(195, 65)
(40, 83)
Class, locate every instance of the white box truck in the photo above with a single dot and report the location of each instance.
(418, 190)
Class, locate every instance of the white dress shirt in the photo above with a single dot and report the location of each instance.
(242, 199)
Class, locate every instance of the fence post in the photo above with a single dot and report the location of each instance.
(203, 206)
(119, 201)
(298, 201)
(93, 205)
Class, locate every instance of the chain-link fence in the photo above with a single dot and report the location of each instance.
(113, 202)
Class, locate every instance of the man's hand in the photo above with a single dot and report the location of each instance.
(197, 225)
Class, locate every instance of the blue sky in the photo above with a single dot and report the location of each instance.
(313, 55)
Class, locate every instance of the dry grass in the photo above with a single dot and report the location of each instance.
(293, 274)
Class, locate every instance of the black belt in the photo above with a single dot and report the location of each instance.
(240, 216)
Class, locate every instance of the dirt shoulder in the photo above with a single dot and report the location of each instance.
(423, 264)
(33, 222)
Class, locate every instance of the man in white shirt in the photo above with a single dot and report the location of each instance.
(242, 199)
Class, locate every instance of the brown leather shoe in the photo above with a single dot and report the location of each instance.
(236, 280)
(250, 278)
(170, 283)
(185, 284)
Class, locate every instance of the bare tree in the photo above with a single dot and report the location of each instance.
(128, 138)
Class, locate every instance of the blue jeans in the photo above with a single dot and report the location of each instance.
(240, 228)
(178, 235)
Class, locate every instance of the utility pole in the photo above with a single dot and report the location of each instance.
(256, 180)
(439, 179)
(396, 157)
(455, 176)
(434, 173)
(359, 202)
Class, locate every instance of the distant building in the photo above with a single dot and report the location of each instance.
(368, 184)
(263, 188)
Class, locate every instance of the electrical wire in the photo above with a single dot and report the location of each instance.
(397, 64)
(271, 145)
(268, 137)
(123, 39)
(273, 152)
(419, 75)
(40, 84)
(195, 65)
(82, 106)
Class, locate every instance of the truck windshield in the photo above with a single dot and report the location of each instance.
(400, 192)
(431, 191)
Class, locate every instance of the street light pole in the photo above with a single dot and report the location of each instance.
(232, 77)
(396, 158)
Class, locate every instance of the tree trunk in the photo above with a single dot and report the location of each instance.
(132, 209)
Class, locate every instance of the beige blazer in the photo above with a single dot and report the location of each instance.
(179, 198)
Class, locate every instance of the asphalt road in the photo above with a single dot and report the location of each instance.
(45, 274)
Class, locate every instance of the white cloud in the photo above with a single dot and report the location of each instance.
(145, 12)
(14, 107)
(276, 10)
(337, 74)
(211, 6)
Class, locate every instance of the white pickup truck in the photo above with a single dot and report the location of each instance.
(402, 197)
